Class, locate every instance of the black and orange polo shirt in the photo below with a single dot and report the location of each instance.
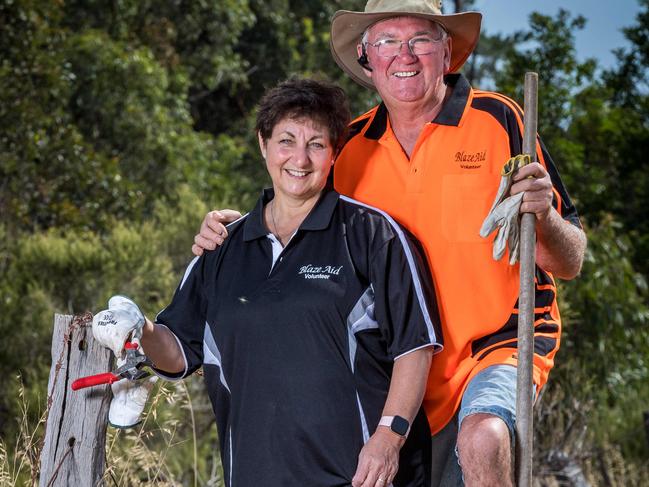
(441, 195)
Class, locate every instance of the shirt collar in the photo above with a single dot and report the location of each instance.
(379, 123)
(454, 106)
(451, 112)
(318, 218)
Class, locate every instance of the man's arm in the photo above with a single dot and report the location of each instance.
(213, 232)
(379, 458)
(560, 245)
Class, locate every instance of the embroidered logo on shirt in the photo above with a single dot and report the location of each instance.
(319, 272)
(471, 160)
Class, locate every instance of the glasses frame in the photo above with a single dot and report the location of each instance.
(443, 36)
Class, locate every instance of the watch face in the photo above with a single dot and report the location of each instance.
(400, 425)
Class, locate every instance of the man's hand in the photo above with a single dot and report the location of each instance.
(560, 245)
(378, 461)
(537, 188)
(213, 231)
(121, 321)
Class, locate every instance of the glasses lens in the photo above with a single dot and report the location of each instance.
(388, 47)
(419, 45)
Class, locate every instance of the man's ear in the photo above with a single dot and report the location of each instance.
(363, 61)
(447, 55)
(262, 145)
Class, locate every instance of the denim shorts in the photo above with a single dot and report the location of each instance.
(491, 391)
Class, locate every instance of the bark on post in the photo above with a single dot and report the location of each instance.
(74, 452)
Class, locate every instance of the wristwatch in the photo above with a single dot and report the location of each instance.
(398, 425)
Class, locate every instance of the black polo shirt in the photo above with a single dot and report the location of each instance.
(298, 353)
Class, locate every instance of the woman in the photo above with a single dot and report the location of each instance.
(310, 321)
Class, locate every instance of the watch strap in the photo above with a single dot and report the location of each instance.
(397, 424)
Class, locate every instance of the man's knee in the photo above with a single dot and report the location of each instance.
(483, 436)
(484, 450)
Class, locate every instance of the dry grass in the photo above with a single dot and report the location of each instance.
(164, 450)
(175, 445)
(131, 459)
(21, 466)
(566, 452)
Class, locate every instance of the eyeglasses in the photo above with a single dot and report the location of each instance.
(418, 45)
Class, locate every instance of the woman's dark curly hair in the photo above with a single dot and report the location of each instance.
(303, 98)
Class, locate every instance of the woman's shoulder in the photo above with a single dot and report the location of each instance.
(369, 220)
(367, 212)
(237, 224)
(234, 238)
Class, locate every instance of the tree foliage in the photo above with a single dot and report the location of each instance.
(596, 138)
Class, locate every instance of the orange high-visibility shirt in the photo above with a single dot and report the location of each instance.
(442, 194)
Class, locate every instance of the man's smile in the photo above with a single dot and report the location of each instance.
(405, 74)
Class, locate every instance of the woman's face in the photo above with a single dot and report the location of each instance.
(298, 157)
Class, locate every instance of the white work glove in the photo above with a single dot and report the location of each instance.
(504, 216)
(129, 399)
(504, 213)
(121, 321)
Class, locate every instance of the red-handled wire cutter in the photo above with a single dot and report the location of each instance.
(131, 370)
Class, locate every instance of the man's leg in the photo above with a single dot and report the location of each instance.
(445, 469)
(485, 452)
(486, 419)
(484, 444)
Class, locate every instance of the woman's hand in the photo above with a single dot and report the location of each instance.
(378, 461)
(213, 231)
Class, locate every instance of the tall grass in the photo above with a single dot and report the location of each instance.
(175, 444)
(19, 459)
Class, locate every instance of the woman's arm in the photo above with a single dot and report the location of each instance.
(161, 347)
(379, 459)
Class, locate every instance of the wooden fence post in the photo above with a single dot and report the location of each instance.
(74, 452)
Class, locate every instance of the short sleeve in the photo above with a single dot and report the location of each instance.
(560, 200)
(405, 304)
(185, 318)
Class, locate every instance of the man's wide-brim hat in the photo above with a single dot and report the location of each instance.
(347, 27)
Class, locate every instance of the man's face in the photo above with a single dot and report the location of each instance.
(407, 77)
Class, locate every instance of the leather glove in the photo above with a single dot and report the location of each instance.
(121, 321)
(129, 399)
(504, 213)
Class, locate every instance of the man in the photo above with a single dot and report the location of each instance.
(430, 155)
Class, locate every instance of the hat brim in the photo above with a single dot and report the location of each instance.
(348, 26)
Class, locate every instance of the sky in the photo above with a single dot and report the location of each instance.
(602, 32)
